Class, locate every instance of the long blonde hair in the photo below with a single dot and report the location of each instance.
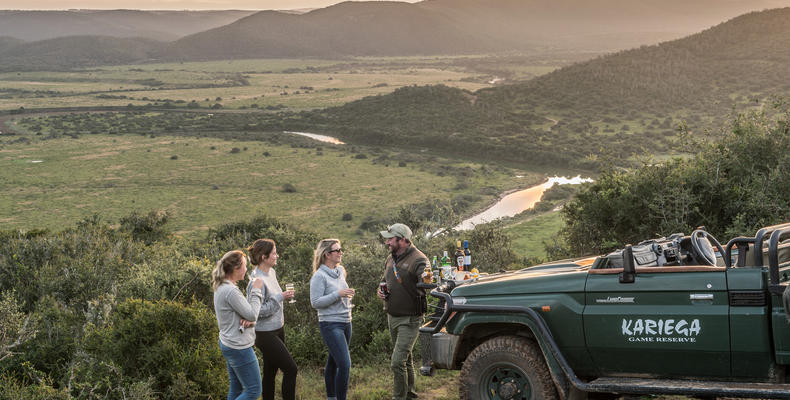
(320, 252)
(229, 262)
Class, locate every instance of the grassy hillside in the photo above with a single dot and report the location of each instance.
(614, 106)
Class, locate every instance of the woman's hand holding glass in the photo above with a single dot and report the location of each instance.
(289, 293)
(347, 293)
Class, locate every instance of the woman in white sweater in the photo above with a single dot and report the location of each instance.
(236, 337)
(269, 332)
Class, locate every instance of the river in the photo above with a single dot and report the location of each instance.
(321, 138)
(517, 202)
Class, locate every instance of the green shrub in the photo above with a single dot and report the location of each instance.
(148, 228)
(12, 389)
(164, 341)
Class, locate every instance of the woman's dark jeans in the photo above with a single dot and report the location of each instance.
(337, 336)
(243, 371)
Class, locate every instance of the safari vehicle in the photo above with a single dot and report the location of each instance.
(680, 315)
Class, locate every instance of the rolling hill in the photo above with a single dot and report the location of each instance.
(461, 26)
(350, 28)
(366, 28)
(75, 52)
(617, 104)
(158, 25)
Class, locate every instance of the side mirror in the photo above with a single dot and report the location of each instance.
(629, 271)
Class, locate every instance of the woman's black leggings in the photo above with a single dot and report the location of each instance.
(276, 356)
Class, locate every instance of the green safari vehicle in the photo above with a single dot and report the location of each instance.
(680, 315)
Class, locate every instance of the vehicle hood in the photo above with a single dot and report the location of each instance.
(545, 278)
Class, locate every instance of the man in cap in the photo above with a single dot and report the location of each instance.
(404, 304)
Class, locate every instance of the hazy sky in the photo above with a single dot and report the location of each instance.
(168, 4)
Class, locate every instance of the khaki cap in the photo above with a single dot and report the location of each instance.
(397, 230)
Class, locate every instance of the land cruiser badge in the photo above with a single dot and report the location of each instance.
(616, 300)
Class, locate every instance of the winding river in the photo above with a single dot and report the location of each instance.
(517, 202)
(508, 206)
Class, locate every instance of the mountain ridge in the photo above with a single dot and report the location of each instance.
(372, 28)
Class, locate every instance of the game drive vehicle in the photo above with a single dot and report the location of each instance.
(679, 315)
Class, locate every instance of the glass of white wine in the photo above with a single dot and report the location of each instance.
(290, 286)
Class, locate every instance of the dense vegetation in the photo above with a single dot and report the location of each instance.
(732, 187)
(96, 312)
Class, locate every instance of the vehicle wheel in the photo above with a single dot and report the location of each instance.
(506, 368)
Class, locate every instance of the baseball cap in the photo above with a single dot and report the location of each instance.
(399, 230)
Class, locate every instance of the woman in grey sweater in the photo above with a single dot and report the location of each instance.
(233, 315)
(269, 332)
(331, 297)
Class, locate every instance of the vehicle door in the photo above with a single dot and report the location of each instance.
(671, 321)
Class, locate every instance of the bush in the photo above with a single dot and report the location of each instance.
(235, 150)
(347, 217)
(148, 228)
(13, 389)
(732, 187)
(289, 188)
(167, 342)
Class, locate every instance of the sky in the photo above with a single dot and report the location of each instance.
(168, 4)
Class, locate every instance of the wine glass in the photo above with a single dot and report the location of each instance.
(350, 304)
(290, 286)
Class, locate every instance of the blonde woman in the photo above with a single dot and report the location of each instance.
(236, 338)
(331, 297)
(269, 332)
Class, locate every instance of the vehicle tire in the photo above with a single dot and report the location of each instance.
(506, 368)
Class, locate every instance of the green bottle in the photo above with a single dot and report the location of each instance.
(447, 268)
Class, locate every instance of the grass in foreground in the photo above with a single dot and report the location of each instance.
(374, 382)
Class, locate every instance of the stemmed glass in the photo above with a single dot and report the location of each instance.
(290, 286)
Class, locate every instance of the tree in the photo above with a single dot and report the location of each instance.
(731, 187)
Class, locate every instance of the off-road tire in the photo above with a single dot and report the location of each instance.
(506, 368)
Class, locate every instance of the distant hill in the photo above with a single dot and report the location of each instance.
(158, 25)
(350, 28)
(75, 52)
(461, 26)
(617, 105)
(367, 28)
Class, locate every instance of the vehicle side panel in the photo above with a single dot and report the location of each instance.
(664, 324)
(750, 332)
